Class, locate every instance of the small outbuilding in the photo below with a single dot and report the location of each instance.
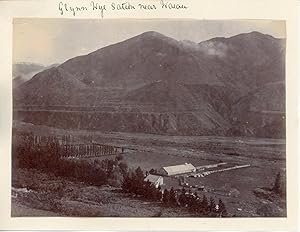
(155, 180)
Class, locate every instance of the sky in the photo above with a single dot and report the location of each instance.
(49, 41)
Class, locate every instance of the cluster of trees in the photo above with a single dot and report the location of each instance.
(47, 158)
(192, 201)
(134, 183)
(26, 153)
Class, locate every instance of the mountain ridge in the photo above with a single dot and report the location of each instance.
(200, 84)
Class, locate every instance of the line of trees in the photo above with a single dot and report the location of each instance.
(134, 183)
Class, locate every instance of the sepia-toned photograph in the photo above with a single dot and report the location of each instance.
(148, 118)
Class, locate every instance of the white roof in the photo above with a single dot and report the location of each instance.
(187, 167)
(152, 178)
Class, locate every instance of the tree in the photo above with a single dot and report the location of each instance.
(212, 207)
(158, 194)
(124, 168)
(204, 204)
(110, 166)
(115, 178)
(152, 192)
(173, 199)
(194, 202)
(119, 157)
(222, 212)
(166, 197)
(139, 174)
(182, 197)
(138, 181)
(147, 190)
(126, 184)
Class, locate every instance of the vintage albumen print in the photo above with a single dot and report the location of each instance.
(148, 118)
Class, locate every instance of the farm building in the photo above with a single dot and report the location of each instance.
(177, 169)
(155, 180)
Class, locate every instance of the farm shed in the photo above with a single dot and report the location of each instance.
(177, 169)
(155, 180)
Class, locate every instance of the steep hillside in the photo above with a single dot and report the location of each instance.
(54, 86)
(247, 61)
(138, 61)
(156, 84)
(261, 112)
(178, 97)
(240, 61)
(270, 97)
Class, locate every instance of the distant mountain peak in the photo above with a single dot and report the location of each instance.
(155, 36)
(254, 35)
(152, 34)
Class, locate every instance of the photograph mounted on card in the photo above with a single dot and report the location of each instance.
(168, 118)
(148, 115)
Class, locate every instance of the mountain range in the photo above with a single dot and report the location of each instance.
(24, 71)
(152, 83)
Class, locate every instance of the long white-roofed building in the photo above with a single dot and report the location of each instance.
(177, 169)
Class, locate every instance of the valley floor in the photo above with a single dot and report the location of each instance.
(266, 158)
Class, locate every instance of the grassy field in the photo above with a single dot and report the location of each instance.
(265, 156)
